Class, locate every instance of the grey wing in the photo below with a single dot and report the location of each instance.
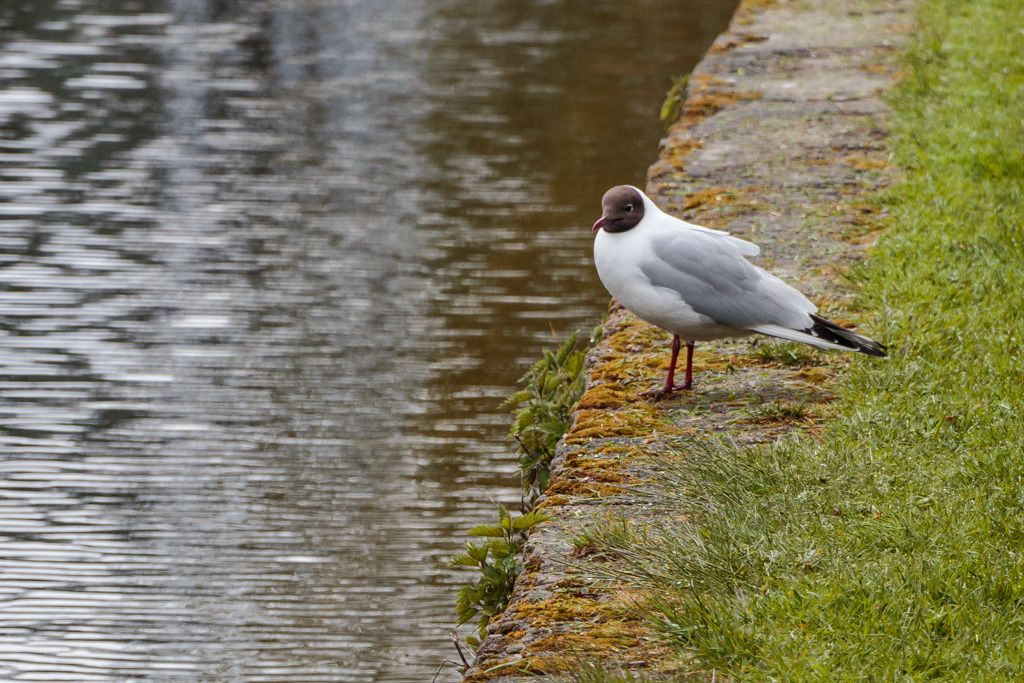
(714, 279)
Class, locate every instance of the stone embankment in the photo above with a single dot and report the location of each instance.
(782, 140)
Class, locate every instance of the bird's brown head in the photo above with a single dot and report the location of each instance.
(622, 208)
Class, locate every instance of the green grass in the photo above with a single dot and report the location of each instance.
(893, 547)
(588, 672)
(785, 353)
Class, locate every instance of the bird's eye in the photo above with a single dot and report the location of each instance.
(629, 208)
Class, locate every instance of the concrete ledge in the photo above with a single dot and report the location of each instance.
(782, 140)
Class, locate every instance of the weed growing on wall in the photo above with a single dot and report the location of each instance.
(543, 411)
(497, 558)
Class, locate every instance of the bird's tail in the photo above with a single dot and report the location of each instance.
(828, 330)
(825, 334)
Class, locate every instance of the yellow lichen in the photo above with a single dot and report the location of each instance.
(701, 82)
(603, 396)
(710, 103)
(550, 501)
(558, 609)
(637, 419)
(865, 162)
(730, 41)
(567, 646)
(678, 146)
(612, 633)
(815, 374)
(618, 450)
(880, 69)
(747, 6)
(706, 196)
(585, 489)
(627, 333)
(598, 469)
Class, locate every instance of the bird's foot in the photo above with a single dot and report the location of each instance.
(659, 393)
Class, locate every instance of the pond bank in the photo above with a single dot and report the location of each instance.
(782, 139)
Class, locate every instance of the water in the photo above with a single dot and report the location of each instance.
(267, 270)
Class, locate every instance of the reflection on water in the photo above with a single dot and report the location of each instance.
(267, 270)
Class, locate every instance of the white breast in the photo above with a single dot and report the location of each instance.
(618, 257)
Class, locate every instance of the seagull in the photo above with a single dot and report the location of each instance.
(697, 283)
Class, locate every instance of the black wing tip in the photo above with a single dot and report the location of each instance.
(829, 331)
(878, 350)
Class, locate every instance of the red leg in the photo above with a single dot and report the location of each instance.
(689, 367)
(670, 380)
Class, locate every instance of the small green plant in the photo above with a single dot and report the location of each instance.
(543, 411)
(674, 99)
(497, 558)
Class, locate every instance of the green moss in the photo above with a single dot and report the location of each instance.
(781, 411)
(551, 501)
(786, 354)
(593, 673)
(674, 99)
(560, 609)
(635, 419)
(585, 488)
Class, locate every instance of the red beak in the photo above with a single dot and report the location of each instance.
(601, 222)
